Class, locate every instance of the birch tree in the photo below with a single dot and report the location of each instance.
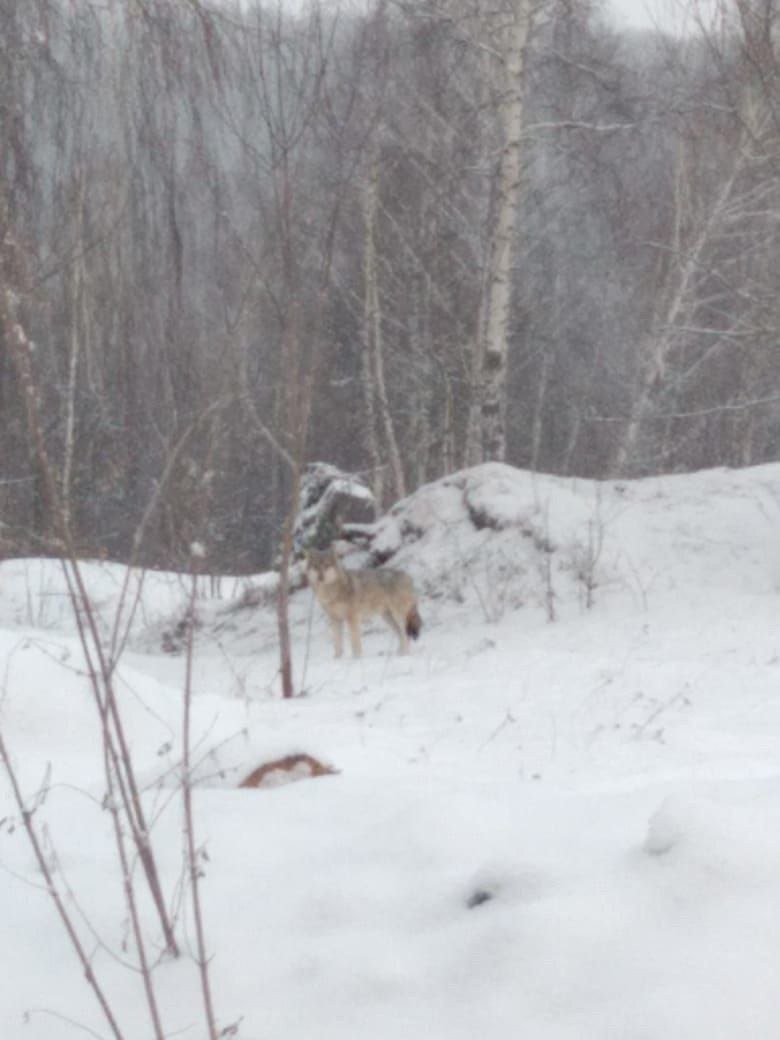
(508, 40)
(380, 423)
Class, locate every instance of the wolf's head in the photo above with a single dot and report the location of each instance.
(322, 566)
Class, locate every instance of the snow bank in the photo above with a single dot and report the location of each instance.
(562, 830)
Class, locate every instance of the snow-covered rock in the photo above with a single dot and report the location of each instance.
(330, 500)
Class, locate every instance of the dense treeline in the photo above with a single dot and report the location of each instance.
(402, 239)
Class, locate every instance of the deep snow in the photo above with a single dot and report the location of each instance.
(553, 829)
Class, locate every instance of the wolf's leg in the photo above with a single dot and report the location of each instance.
(337, 628)
(354, 635)
(392, 621)
(398, 628)
(404, 642)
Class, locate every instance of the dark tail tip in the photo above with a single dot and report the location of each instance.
(413, 623)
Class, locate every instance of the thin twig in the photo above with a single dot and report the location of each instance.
(201, 959)
(43, 866)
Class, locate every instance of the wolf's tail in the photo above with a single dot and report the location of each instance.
(413, 623)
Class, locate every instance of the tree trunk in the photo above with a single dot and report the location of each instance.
(375, 385)
(493, 333)
(367, 376)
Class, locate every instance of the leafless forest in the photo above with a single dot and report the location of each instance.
(402, 238)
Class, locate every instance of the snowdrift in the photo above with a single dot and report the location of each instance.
(557, 818)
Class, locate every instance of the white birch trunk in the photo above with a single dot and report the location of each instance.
(493, 333)
(368, 382)
(77, 330)
(538, 420)
(373, 369)
(388, 426)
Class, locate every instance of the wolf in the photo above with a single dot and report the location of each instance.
(351, 595)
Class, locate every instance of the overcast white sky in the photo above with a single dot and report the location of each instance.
(639, 13)
(667, 14)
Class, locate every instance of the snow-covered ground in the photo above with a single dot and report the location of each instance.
(550, 821)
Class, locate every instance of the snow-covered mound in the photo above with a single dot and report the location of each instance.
(499, 530)
(558, 817)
